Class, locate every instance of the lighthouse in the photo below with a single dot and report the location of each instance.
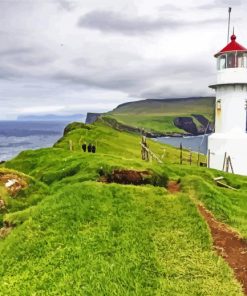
(227, 147)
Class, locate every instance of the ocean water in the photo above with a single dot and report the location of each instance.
(194, 143)
(16, 136)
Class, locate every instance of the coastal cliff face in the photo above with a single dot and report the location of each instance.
(92, 117)
(188, 124)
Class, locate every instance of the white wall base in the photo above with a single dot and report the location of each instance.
(235, 145)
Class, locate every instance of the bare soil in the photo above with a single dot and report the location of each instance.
(173, 186)
(19, 182)
(127, 177)
(4, 231)
(229, 245)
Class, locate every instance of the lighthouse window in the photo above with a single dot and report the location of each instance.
(245, 60)
(222, 62)
(241, 60)
(231, 60)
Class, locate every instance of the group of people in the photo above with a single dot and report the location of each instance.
(90, 148)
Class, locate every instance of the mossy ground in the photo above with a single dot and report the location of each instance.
(77, 236)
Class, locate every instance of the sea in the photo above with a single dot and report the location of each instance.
(16, 136)
(193, 143)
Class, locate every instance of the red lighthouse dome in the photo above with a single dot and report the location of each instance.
(232, 46)
(234, 55)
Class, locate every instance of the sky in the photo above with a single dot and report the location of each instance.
(78, 56)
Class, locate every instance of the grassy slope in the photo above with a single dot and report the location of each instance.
(158, 115)
(88, 238)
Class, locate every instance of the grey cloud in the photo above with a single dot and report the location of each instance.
(6, 74)
(66, 4)
(221, 4)
(229, 2)
(160, 93)
(109, 21)
(16, 61)
(15, 51)
(170, 8)
(171, 92)
(140, 79)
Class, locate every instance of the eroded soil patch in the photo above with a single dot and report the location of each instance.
(127, 177)
(229, 245)
(173, 186)
(12, 182)
(4, 231)
(123, 176)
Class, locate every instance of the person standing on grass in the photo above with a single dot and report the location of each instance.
(93, 149)
(84, 147)
(89, 148)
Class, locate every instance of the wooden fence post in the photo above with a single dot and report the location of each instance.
(70, 145)
(224, 162)
(181, 153)
(209, 153)
(230, 162)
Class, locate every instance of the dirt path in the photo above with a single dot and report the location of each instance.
(229, 245)
(173, 186)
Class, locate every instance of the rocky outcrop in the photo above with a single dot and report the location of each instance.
(92, 117)
(187, 124)
(206, 126)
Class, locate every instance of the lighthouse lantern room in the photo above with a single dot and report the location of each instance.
(227, 147)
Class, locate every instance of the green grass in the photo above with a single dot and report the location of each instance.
(228, 205)
(158, 115)
(77, 236)
(150, 122)
(95, 239)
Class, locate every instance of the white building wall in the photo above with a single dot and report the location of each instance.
(234, 145)
(230, 137)
(232, 75)
(232, 113)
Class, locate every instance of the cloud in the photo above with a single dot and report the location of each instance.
(16, 51)
(110, 21)
(221, 4)
(170, 8)
(24, 62)
(145, 78)
(49, 55)
(66, 5)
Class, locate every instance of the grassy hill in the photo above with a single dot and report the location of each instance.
(70, 234)
(159, 115)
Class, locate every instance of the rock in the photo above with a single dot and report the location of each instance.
(10, 183)
(13, 182)
(92, 117)
(187, 124)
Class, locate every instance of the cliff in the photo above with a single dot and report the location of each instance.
(92, 117)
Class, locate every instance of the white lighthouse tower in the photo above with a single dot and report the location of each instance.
(227, 147)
